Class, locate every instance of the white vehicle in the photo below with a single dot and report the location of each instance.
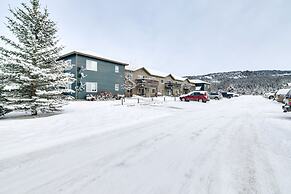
(215, 95)
(270, 95)
(233, 94)
(281, 95)
(287, 102)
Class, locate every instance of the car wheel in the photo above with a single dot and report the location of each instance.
(200, 100)
(216, 98)
(183, 99)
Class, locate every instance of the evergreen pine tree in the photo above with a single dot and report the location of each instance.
(32, 78)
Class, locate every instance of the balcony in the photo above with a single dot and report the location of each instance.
(171, 85)
(146, 82)
(187, 87)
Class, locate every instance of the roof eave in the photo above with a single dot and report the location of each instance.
(91, 56)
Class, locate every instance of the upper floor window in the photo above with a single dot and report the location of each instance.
(69, 65)
(129, 76)
(162, 81)
(91, 86)
(91, 65)
(116, 69)
(69, 61)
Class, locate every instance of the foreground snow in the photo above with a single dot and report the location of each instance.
(241, 145)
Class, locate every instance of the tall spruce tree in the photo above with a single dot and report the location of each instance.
(32, 77)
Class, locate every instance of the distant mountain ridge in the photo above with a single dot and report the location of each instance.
(247, 82)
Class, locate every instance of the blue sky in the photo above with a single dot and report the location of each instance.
(184, 37)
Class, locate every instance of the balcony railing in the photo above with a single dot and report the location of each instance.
(171, 85)
(146, 82)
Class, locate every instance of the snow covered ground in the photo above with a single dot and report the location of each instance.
(240, 145)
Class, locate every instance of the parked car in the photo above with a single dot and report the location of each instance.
(270, 95)
(287, 102)
(233, 94)
(201, 96)
(90, 97)
(215, 95)
(281, 95)
(227, 94)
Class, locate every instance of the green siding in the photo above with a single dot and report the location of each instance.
(105, 76)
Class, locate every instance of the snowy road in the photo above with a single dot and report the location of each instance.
(236, 146)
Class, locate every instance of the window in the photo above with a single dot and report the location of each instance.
(162, 81)
(69, 61)
(91, 65)
(139, 76)
(116, 69)
(69, 67)
(91, 86)
(116, 87)
(68, 86)
(153, 91)
(129, 76)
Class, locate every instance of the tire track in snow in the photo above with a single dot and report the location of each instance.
(206, 160)
(185, 154)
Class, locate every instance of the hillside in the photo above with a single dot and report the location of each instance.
(247, 82)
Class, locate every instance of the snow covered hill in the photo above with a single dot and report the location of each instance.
(239, 145)
(248, 82)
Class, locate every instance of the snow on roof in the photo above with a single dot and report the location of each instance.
(150, 71)
(283, 91)
(157, 73)
(178, 77)
(92, 55)
(154, 72)
(198, 81)
(132, 67)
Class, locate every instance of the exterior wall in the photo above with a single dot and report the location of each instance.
(105, 76)
(161, 87)
(169, 91)
(149, 88)
(140, 73)
(187, 86)
(204, 86)
(167, 86)
(129, 83)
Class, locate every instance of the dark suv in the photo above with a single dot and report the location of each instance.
(227, 94)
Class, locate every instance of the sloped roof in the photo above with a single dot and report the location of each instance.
(157, 73)
(91, 55)
(132, 67)
(198, 81)
(178, 77)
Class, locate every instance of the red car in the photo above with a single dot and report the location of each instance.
(200, 96)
